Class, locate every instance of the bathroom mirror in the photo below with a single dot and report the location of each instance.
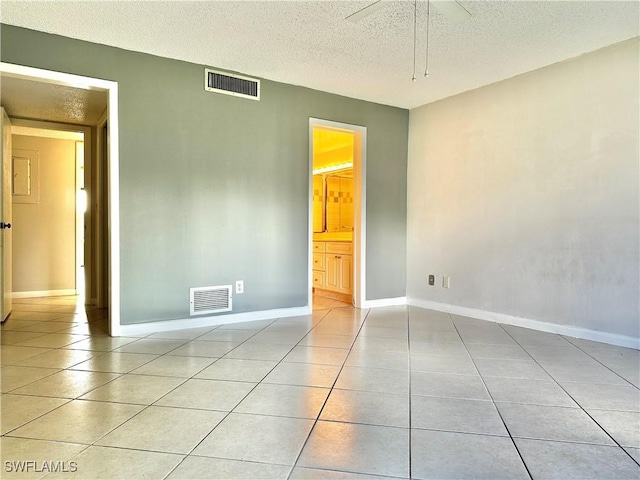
(333, 202)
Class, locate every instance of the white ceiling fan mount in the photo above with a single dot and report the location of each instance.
(450, 9)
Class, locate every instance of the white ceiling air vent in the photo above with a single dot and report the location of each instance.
(231, 84)
(210, 299)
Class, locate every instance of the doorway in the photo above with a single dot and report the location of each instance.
(337, 199)
(45, 80)
(49, 202)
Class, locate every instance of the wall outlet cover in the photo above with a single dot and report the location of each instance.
(432, 279)
(239, 286)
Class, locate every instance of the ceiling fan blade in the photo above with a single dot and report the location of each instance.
(452, 10)
(368, 10)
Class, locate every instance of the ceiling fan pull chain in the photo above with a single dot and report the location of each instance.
(426, 60)
(415, 23)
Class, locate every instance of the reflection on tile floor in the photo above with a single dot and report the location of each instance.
(396, 392)
(323, 303)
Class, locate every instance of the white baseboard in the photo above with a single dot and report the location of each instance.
(568, 330)
(44, 293)
(209, 321)
(385, 302)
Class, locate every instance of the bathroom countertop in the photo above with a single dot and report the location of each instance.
(333, 237)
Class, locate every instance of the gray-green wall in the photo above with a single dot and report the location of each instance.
(214, 188)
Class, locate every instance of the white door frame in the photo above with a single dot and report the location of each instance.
(82, 221)
(89, 83)
(360, 210)
(99, 242)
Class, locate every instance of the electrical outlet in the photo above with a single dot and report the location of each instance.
(445, 281)
(432, 279)
(239, 286)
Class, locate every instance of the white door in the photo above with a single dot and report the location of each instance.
(5, 221)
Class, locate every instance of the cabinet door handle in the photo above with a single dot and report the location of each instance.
(338, 256)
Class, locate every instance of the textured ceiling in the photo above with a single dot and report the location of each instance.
(54, 103)
(310, 43)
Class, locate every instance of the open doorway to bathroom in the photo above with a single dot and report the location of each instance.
(336, 214)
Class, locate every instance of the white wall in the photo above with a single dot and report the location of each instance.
(44, 232)
(526, 192)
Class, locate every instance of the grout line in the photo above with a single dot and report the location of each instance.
(42, 415)
(154, 403)
(410, 375)
(601, 363)
(572, 398)
(524, 464)
(315, 422)
(250, 391)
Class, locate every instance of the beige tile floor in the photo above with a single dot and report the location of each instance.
(321, 303)
(340, 394)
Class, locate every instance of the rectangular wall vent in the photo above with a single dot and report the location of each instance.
(210, 299)
(231, 84)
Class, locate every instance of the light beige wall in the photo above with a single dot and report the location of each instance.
(526, 193)
(44, 232)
